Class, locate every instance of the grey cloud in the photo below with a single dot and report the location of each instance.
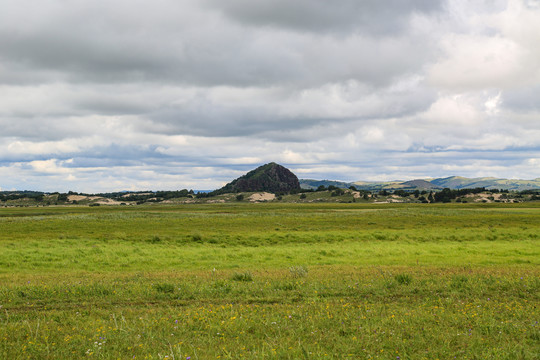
(35, 128)
(82, 44)
(219, 121)
(522, 99)
(368, 16)
(285, 119)
(92, 44)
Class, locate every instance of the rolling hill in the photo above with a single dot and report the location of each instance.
(452, 182)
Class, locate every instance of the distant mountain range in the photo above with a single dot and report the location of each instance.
(452, 182)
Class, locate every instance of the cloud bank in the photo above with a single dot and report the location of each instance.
(131, 95)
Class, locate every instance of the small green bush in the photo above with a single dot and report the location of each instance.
(298, 271)
(403, 279)
(242, 276)
(165, 288)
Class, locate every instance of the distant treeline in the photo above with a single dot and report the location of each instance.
(16, 195)
(119, 196)
(152, 196)
(444, 195)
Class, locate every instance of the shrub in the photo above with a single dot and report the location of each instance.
(403, 279)
(298, 271)
(165, 288)
(242, 276)
(196, 237)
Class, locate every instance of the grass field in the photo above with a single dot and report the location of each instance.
(271, 281)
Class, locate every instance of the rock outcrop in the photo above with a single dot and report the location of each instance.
(271, 177)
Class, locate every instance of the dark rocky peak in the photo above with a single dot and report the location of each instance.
(270, 177)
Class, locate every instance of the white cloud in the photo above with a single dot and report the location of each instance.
(498, 50)
(492, 104)
(189, 93)
(51, 166)
(479, 62)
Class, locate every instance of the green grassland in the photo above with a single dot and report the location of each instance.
(271, 281)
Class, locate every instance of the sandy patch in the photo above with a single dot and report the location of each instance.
(105, 201)
(262, 197)
(82, 197)
(483, 197)
(77, 197)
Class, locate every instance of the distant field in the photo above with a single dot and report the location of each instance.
(271, 281)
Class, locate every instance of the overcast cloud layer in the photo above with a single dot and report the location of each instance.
(169, 94)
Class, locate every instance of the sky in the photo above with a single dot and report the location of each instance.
(112, 95)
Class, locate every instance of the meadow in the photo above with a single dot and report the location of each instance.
(271, 281)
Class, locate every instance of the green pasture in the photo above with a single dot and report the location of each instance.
(271, 281)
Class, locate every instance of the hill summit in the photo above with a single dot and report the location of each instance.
(270, 177)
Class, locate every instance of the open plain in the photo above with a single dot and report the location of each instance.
(271, 281)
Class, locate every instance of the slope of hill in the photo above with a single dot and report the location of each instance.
(271, 177)
(314, 184)
(419, 185)
(376, 186)
(452, 182)
(458, 182)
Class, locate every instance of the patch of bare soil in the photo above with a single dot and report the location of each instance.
(262, 197)
(76, 197)
(105, 201)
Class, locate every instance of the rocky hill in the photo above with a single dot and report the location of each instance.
(271, 177)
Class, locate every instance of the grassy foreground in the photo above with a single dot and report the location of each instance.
(271, 281)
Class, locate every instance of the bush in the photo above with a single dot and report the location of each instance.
(337, 192)
(165, 288)
(242, 276)
(298, 271)
(240, 197)
(403, 279)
